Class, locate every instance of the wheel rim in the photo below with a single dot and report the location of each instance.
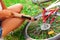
(43, 34)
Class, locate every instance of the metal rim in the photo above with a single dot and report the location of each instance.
(27, 36)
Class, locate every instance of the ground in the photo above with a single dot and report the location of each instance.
(29, 9)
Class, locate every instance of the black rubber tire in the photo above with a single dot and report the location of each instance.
(29, 38)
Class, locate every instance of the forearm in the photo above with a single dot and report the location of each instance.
(8, 14)
(4, 14)
(24, 16)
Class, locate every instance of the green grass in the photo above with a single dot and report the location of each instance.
(29, 9)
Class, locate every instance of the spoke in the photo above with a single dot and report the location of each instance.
(47, 34)
(40, 32)
(31, 31)
(42, 35)
(35, 32)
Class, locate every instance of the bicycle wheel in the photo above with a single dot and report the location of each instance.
(36, 31)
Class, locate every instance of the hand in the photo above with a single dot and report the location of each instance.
(28, 17)
(32, 19)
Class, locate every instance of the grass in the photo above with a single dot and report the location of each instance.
(29, 9)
